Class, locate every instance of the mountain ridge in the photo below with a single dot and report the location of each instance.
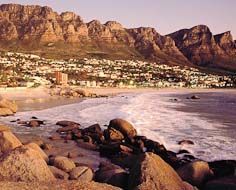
(37, 29)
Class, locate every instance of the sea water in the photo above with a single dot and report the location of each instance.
(154, 115)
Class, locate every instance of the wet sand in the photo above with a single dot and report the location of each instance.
(30, 104)
(217, 106)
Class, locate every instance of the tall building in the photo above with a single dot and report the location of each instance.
(61, 78)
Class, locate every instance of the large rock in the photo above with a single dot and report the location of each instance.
(195, 173)
(59, 184)
(63, 163)
(59, 174)
(93, 129)
(68, 128)
(112, 174)
(4, 128)
(34, 123)
(83, 92)
(6, 112)
(8, 141)
(225, 183)
(66, 123)
(112, 134)
(222, 168)
(8, 104)
(124, 127)
(151, 172)
(24, 164)
(39, 150)
(81, 173)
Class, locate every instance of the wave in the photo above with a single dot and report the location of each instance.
(152, 114)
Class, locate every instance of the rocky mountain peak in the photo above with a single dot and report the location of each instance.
(68, 16)
(225, 41)
(113, 25)
(201, 47)
(34, 27)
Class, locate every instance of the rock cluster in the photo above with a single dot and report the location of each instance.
(72, 92)
(33, 122)
(28, 167)
(141, 163)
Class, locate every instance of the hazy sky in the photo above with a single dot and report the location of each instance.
(165, 15)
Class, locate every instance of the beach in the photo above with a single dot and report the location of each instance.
(155, 113)
(182, 126)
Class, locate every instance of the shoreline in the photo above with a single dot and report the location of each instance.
(89, 149)
(30, 99)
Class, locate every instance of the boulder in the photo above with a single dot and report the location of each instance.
(151, 172)
(194, 97)
(66, 123)
(195, 173)
(46, 146)
(112, 174)
(88, 139)
(8, 141)
(24, 164)
(222, 168)
(93, 129)
(22, 123)
(8, 104)
(38, 149)
(225, 183)
(63, 163)
(68, 128)
(187, 142)
(34, 123)
(39, 142)
(57, 185)
(76, 134)
(124, 160)
(59, 174)
(108, 150)
(124, 127)
(5, 112)
(97, 138)
(82, 92)
(4, 128)
(159, 149)
(112, 134)
(81, 173)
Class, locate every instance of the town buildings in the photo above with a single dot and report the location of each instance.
(18, 69)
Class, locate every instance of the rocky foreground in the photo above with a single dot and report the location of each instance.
(134, 162)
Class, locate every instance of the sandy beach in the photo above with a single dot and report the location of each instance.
(158, 114)
(29, 99)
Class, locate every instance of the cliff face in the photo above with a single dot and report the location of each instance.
(201, 47)
(36, 27)
(151, 44)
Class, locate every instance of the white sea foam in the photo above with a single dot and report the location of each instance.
(152, 114)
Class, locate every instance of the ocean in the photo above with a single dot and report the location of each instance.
(209, 122)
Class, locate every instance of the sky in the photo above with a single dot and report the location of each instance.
(166, 16)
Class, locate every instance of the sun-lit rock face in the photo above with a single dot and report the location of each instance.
(226, 42)
(150, 43)
(33, 27)
(201, 47)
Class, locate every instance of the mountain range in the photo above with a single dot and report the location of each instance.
(42, 31)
